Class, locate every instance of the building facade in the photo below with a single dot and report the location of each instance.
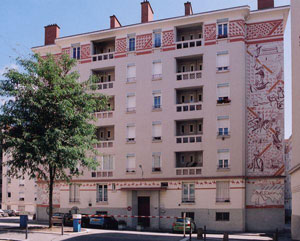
(295, 165)
(287, 189)
(195, 121)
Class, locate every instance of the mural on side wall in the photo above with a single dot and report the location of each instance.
(265, 115)
(265, 192)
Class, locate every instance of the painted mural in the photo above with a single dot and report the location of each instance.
(265, 108)
(265, 192)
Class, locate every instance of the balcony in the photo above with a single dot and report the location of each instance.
(189, 36)
(104, 78)
(189, 68)
(223, 133)
(189, 131)
(189, 99)
(189, 163)
(105, 136)
(103, 49)
(108, 111)
(190, 199)
(107, 173)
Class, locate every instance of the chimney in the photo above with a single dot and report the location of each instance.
(263, 4)
(147, 12)
(51, 33)
(114, 22)
(188, 10)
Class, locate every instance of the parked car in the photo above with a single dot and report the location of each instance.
(103, 222)
(11, 213)
(68, 220)
(1, 213)
(178, 225)
(5, 213)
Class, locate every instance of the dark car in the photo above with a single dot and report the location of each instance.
(103, 222)
(68, 220)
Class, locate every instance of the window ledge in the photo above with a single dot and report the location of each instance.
(223, 203)
(156, 109)
(131, 112)
(130, 82)
(130, 142)
(223, 169)
(156, 141)
(156, 79)
(188, 203)
(101, 203)
(222, 71)
(156, 172)
(223, 104)
(223, 136)
(130, 173)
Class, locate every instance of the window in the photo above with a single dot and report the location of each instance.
(73, 192)
(223, 126)
(156, 131)
(76, 51)
(22, 182)
(21, 196)
(222, 28)
(131, 133)
(157, 38)
(131, 43)
(157, 100)
(222, 216)
(131, 73)
(191, 98)
(192, 68)
(102, 193)
(222, 194)
(106, 163)
(223, 93)
(182, 99)
(182, 129)
(188, 192)
(130, 163)
(191, 128)
(131, 102)
(108, 134)
(200, 127)
(223, 158)
(9, 194)
(156, 162)
(157, 70)
(182, 68)
(222, 61)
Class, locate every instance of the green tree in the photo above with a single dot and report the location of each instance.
(47, 129)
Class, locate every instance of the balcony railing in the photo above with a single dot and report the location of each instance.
(188, 107)
(223, 167)
(189, 75)
(130, 170)
(103, 86)
(156, 138)
(105, 173)
(105, 144)
(189, 43)
(188, 171)
(130, 140)
(104, 114)
(105, 56)
(223, 200)
(223, 100)
(156, 169)
(190, 199)
(188, 139)
(156, 76)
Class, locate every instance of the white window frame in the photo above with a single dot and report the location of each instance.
(188, 197)
(129, 78)
(158, 75)
(131, 137)
(223, 156)
(129, 37)
(223, 56)
(130, 106)
(222, 194)
(157, 93)
(223, 129)
(155, 167)
(223, 93)
(221, 23)
(156, 137)
(102, 196)
(157, 32)
(74, 192)
(130, 158)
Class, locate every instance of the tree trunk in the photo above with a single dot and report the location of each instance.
(51, 182)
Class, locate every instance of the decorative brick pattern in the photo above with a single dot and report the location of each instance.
(237, 28)
(66, 50)
(168, 38)
(144, 41)
(85, 51)
(265, 105)
(121, 45)
(264, 29)
(210, 31)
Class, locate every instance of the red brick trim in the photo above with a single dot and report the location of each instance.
(237, 40)
(46, 205)
(264, 41)
(85, 61)
(210, 43)
(168, 49)
(145, 52)
(120, 56)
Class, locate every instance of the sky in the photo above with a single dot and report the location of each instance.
(22, 24)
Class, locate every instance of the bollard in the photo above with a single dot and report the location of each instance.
(204, 233)
(26, 232)
(200, 233)
(184, 215)
(191, 230)
(275, 235)
(225, 237)
(62, 227)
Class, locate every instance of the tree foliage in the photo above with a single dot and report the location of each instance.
(47, 130)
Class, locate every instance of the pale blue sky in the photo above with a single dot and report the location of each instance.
(22, 24)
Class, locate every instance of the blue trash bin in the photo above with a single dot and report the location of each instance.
(76, 222)
(23, 221)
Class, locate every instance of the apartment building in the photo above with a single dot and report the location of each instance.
(295, 163)
(195, 121)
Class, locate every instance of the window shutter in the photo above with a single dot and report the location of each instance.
(130, 131)
(223, 91)
(21, 195)
(222, 191)
(131, 101)
(223, 123)
(223, 155)
(222, 60)
(131, 71)
(157, 68)
(156, 130)
(131, 162)
(156, 159)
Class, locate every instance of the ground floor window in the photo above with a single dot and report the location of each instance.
(102, 193)
(222, 216)
(74, 192)
(188, 192)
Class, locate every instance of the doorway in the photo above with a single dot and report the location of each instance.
(144, 210)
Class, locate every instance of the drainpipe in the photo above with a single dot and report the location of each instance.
(159, 209)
